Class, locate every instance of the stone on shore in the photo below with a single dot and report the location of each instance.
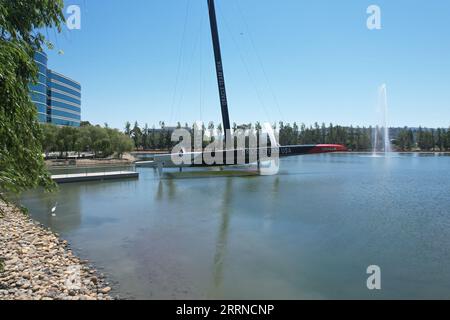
(36, 265)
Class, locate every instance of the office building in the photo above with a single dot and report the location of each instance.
(56, 96)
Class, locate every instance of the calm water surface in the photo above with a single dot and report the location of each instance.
(309, 232)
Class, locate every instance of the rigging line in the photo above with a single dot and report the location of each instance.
(201, 68)
(258, 94)
(180, 56)
(239, 9)
(189, 67)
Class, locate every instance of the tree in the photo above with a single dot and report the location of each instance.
(128, 128)
(162, 135)
(104, 147)
(123, 144)
(66, 138)
(84, 141)
(440, 139)
(48, 137)
(146, 137)
(351, 139)
(153, 139)
(331, 136)
(425, 139)
(323, 133)
(447, 140)
(317, 134)
(365, 141)
(211, 131)
(219, 130)
(405, 139)
(295, 128)
(21, 24)
(410, 141)
(119, 143)
(136, 134)
(98, 136)
(85, 124)
(420, 138)
(103, 142)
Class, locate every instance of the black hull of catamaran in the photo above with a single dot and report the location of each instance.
(249, 156)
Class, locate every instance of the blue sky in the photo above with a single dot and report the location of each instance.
(290, 60)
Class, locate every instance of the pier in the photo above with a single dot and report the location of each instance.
(94, 176)
(149, 163)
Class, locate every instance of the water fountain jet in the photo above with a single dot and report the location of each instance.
(383, 109)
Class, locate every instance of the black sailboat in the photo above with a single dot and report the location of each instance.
(233, 155)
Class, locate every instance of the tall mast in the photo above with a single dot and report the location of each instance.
(219, 67)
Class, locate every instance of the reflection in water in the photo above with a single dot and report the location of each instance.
(160, 192)
(167, 188)
(222, 236)
(171, 189)
(269, 214)
(309, 232)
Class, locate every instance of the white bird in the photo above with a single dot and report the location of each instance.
(54, 210)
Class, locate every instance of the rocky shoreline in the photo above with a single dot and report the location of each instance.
(36, 265)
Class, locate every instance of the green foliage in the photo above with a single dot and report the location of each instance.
(354, 138)
(405, 139)
(24, 210)
(21, 162)
(421, 139)
(103, 142)
(128, 128)
(85, 123)
(136, 134)
(121, 144)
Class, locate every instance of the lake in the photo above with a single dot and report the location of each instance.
(309, 232)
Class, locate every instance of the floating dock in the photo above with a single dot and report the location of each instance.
(149, 163)
(94, 176)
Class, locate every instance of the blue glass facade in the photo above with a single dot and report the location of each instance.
(63, 99)
(38, 91)
(57, 97)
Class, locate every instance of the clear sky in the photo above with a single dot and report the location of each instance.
(290, 60)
